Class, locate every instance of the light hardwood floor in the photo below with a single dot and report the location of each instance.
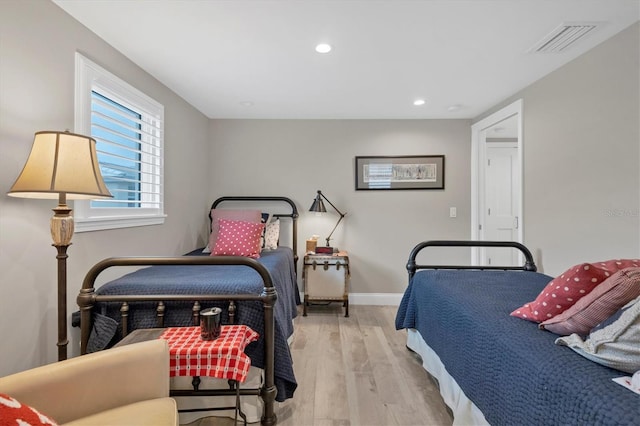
(357, 371)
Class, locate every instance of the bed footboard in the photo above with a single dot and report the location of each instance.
(412, 266)
(88, 298)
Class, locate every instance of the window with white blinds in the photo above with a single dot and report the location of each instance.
(128, 128)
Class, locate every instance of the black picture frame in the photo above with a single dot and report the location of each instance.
(381, 173)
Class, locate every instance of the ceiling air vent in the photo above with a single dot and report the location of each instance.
(564, 36)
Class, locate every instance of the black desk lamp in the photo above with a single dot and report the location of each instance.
(318, 207)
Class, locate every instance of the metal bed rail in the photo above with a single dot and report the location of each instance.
(412, 266)
(87, 298)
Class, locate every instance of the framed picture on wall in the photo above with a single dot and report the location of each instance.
(399, 172)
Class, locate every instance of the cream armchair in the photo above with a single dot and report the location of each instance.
(127, 385)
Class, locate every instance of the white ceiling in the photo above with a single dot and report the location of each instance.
(256, 59)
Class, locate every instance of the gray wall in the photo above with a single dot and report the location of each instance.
(581, 172)
(581, 175)
(297, 157)
(37, 45)
(582, 140)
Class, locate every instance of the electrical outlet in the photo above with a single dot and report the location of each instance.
(453, 212)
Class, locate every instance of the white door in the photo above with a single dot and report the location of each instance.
(496, 190)
(501, 212)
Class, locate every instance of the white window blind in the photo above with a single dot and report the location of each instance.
(128, 128)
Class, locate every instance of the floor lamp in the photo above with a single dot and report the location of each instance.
(65, 166)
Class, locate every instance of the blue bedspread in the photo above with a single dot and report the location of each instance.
(218, 279)
(510, 369)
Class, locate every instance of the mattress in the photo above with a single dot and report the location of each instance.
(464, 410)
(507, 367)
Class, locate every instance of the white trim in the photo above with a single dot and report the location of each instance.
(91, 76)
(478, 155)
(392, 299)
(101, 223)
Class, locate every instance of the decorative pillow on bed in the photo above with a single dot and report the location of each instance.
(14, 412)
(602, 302)
(272, 235)
(266, 218)
(217, 214)
(564, 291)
(615, 345)
(238, 238)
(615, 317)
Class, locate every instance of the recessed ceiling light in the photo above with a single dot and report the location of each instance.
(246, 103)
(323, 48)
(419, 102)
(453, 108)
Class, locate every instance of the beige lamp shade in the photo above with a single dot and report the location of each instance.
(61, 163)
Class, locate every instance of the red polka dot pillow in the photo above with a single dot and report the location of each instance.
(238, 238)
(564, 291)
(607, 298)
(13, 412)
(228, 214)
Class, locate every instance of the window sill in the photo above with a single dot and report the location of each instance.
(102, 223)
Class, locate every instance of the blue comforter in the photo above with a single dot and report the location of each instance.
(217, 279)
(510, 369)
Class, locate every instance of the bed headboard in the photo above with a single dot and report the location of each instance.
(256, 201)
(412, 266)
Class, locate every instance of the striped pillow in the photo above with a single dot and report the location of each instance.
(602, 302)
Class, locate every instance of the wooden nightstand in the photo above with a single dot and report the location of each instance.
(326, 279)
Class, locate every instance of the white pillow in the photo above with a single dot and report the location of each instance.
(614, 345)
(272, 235)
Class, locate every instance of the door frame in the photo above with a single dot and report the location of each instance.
(478, 158)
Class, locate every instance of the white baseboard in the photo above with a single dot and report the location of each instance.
(391, 299)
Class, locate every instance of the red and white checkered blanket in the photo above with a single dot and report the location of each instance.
(223, 358)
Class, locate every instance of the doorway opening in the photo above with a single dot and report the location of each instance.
(497, 185)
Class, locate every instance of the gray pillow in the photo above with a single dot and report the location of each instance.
(616, 345)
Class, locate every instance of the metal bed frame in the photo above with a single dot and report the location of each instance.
(412, 267)
(88, 298)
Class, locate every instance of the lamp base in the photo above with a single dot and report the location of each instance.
(324, 250)
(61, 233)
(62, 225)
